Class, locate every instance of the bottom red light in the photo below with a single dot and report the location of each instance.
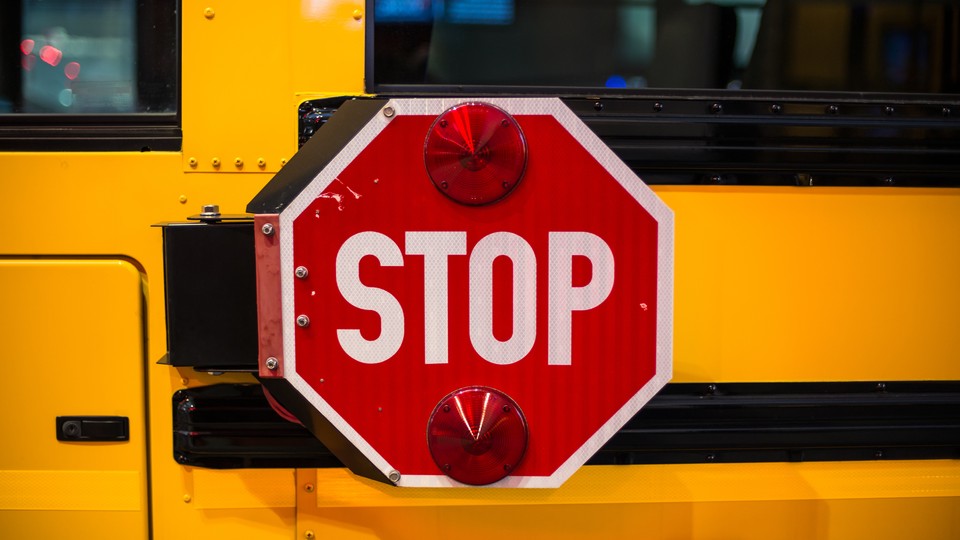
(477, 435)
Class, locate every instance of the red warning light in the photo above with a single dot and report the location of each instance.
(50, 55)
(475, 153)
(72, 70)
(477, 435)
(26, 46)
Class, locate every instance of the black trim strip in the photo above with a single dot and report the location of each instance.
(229, 426)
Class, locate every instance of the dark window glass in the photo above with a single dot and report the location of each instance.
(795, 45)
(84, 57)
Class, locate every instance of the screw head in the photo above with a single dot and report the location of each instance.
(238, 162)
(271, 363)
(658, 107)
(301, 272)
(308, 488)
(267, 229)
(389, 112)
(776, 108)
(716, 108)
(309, 535)
(303, 321)
(394, 476)
(215, 162)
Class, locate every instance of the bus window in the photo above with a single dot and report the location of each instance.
(82, 64)
(793, 45)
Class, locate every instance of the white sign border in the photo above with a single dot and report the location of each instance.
(596, 148)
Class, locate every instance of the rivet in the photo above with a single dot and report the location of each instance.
(711, 457)
(238, 162)
(658, 107)
(308, 488)
(878, 454)
(379, 409)
(261, 162)
(309, 535)
(716, 108)
(267, 229)
(443, 123)
(389, 112)
(946, 111)
(446, 408)
(832, 109)
(184, 381)
(776, 108)
(303, 321)
(209, 13)
(183, 199)
(357, 14)
(187, 498)
(215, 162)
(597, 106)
(506, 408)
(283, 161)
(888, 110)
(889, 181)
(301, 272)
(271, 363)
(394, 476)
(192, 161)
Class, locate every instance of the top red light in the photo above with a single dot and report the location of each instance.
(475, 153)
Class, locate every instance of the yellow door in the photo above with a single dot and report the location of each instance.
(72, 345)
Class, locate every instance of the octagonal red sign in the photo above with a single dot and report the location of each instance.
(393, 295)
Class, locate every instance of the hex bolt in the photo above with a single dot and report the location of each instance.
(394, 476)
(303, 321)
(210, 211)
(301, 272)
(267, 229)
(272, 363)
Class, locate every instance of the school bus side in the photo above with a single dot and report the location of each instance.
(771, 283)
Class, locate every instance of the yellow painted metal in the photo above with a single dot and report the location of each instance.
(73, 345)
(772, 284)
(803, 284)
(247, 68)
(772, 500)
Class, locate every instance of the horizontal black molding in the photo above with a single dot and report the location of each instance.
(729, 138)
(232, 426)
(102, 133)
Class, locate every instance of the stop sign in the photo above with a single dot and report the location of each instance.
(388, 286)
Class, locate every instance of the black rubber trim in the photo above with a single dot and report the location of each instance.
(229, 426)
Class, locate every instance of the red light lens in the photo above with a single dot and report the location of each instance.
(475, 153)
(50, 55)
(477, 435)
